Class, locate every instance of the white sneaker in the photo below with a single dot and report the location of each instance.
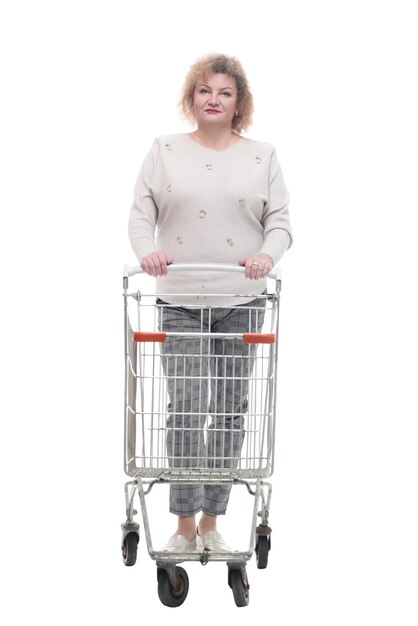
(179, 543)
(212, 540)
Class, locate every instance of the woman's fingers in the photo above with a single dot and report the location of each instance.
(257, 266)
(164, 260)
(155, 263)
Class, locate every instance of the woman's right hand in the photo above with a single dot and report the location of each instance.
(155, 263)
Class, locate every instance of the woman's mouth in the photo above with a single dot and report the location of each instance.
(212, 111)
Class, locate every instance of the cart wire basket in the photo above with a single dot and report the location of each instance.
(199, 410)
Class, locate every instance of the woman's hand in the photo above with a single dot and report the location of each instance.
(155, 263)
(257, 266)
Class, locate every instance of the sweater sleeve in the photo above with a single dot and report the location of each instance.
(144, 211)
(275, 219)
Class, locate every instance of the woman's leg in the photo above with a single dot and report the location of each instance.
(186, 527)
(185, 372)
(232, 366)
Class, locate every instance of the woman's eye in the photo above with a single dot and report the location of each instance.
(204, 91)
(226, 93)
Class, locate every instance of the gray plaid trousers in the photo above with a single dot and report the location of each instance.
(206, 377)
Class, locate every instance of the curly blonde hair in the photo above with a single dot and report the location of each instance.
(219, 64)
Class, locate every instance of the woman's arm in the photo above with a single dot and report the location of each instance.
(277, 231)
(144, 211)
(275, 219)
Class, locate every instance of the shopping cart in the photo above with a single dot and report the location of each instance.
(158, 361)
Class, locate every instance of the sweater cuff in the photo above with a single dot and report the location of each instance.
(142, 247)
(276, 244)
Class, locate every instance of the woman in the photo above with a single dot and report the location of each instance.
(210, 196)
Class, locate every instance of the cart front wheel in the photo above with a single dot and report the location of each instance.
(169, 595)
(262, 551)
(130, 548)
(240, 588)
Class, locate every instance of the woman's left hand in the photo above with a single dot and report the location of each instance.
(257, 266)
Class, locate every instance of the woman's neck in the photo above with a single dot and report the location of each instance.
(219, 139)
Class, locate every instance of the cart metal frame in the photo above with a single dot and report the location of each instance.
(144, 428)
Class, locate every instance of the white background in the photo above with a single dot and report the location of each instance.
(86, 86)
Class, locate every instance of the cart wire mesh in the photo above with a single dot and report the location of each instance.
(199, 404)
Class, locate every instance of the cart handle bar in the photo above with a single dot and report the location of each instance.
(247, 338)
(130, 270)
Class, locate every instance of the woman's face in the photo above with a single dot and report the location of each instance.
(215, 100)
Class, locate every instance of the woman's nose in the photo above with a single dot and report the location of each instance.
(213, 99)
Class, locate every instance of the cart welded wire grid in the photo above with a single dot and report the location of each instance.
(207, 436)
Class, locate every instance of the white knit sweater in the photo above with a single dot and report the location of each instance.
(200, 205)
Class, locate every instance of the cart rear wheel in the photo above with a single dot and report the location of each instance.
(169, 595)
(240, 589)
(262, 551)
(130, 548)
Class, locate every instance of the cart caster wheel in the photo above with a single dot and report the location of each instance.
(240, 589)
(262, 551)
(169, 595)
(130, 548)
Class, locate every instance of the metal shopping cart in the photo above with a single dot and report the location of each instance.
(157, 447)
